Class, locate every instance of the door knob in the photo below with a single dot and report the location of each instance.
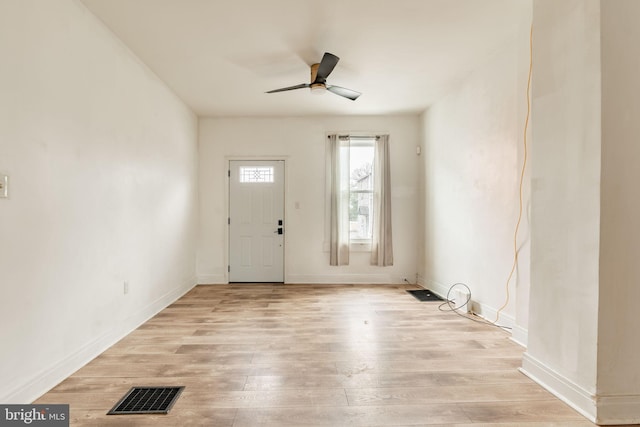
(279, 230)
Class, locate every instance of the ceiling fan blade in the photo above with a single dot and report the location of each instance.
(327, 65)
(300, 86)
(347, 93)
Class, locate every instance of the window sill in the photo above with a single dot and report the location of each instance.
(353, 247)
(360, 247)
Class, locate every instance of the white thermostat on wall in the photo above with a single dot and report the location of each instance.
(4, 184)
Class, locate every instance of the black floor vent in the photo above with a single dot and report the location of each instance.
(424, 295)
(147, 400)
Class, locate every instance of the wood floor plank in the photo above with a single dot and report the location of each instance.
(491, 364)
(511, 424)
(350, 416)
(314, 355)
(75, 384)
(513, 411)
(270, 399)
(447, 394)
(178, 417)
(392, 379)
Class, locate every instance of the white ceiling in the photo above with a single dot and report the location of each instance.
(220, 56)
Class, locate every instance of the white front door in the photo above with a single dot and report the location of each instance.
(256, 221)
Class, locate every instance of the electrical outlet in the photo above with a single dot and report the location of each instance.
(462, 300)
(4, 186)
(126, 287)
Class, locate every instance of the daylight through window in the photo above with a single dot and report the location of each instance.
(361, 174)
(256, 174)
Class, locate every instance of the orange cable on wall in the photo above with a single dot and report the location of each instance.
(524, 165)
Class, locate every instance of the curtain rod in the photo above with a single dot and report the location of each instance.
(355, 137)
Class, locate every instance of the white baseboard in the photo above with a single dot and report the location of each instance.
(212, 279)
(520, 335)
(487, 312)
(337, 279)
(616, 410)
(563, 388)
(212, 284)
(437, 288)
(47, 378)
(331, 279)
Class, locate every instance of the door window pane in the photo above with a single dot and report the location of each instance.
(256, 174)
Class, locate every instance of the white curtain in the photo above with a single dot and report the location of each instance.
(339, 240)
(381, 241)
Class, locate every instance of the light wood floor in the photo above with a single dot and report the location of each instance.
(314, 355)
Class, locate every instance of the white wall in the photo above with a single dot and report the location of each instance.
(583, 342)
(565, 215)
(618, 378)
(102, 160)
(301, 141)
(471, 165)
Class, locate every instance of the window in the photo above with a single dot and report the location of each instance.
(361, 176)
(256, 174)
(358, 208)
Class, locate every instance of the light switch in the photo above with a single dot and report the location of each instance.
(4, 186)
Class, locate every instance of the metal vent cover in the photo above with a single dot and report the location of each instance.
(424, 295)
(147, 400)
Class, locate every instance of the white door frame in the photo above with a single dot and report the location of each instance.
(227, 160)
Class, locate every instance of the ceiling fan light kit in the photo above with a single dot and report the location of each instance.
(319, 74)
(318, 89)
